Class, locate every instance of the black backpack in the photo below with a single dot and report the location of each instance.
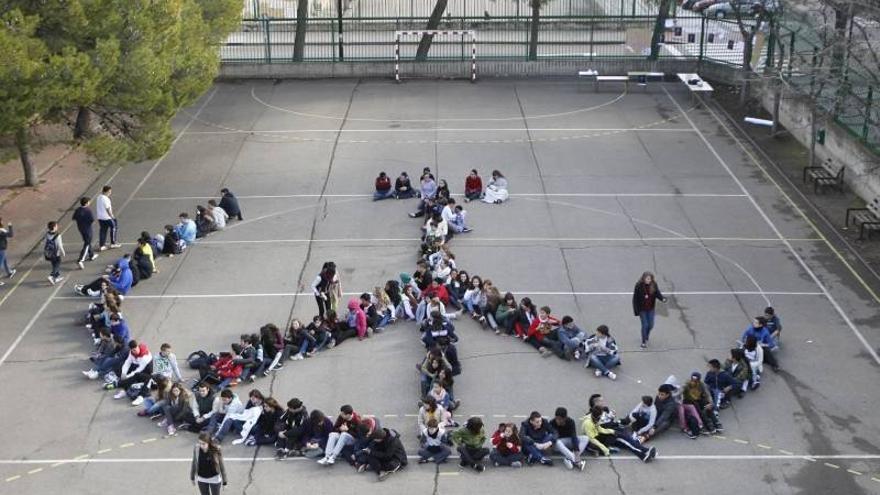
(50, 249)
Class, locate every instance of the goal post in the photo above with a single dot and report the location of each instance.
(402, 35)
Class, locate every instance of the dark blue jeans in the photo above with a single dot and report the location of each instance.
(647, 320)
(105, 227)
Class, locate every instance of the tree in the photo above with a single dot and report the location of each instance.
(34, 83)
(302, 22)
(433, 24)
(534, 27)
(659, 27)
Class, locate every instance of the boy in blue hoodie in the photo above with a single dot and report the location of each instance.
(121, 277)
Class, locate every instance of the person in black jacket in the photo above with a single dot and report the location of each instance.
(645, 296)
(85, 219)
(568, 442)
(386, 454)
(229, 203)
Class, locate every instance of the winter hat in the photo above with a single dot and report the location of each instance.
(405, 278)
(666, 388)
(696, 374)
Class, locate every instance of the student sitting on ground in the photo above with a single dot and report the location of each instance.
(507, 446)
(473, 186)
(180, 409)
(229, 203)
(738, 367)
(218, 214)
(437, 327)
(383, 187)
(432, 442)
(496, 191)
(754, 352)
(568, 442)
(204, 222)
(666, 408)
(137, 368)
(538, 437)
(292, 427)
(643, 417)
(186, 230)
(697, 394)
(601, 351)
(441, 395)
(263, 432)
(205, 398)
(431, 410)
(403, 187)
(319, 429)
(387, 455)
(171, 242)
(469, 444)
(774, 324)
(618, 436)
(542, 336)
(224, 403)
(341, 436)
(143, 258)
(570, 336)
(721, 385)
(430, 368)
(156, 398)
(759, 330)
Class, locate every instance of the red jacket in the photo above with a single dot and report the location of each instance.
(440, 291)
(473, 184)
(533, 328)
(225, 368)
(501, 446)
(383, 184)
(351, 423)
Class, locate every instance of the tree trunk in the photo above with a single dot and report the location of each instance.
(534, 28)
(22, 142)
(433, 24)
(302, 22)
(748, 47)
(813, 129)
(659, 27)
(838, 49)
(83, 127)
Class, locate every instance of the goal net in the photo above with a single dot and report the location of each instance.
(452, 54)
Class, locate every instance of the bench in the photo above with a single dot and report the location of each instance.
(826, 175)
(642, 78)
(867, 218)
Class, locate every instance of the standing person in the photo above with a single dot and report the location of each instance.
(229, 203)
(207, 470)
(473, 186)
(106, 219)
(323, 287)
(53, 251)
(84, 219)
(496, 191)
(5, 234)
(645, 296)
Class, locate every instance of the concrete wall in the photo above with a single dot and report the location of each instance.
(861, 164)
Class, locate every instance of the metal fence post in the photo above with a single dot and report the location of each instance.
(339, 21)
(267, 52)
(867, 125)
(702, 41)
(791, 55)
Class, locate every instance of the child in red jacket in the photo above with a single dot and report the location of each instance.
(507, 446)
(473, 186)
(543, 334)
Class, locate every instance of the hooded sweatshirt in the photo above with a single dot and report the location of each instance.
(186, 229)
(123, 280)
(357, 319)
(138, 358)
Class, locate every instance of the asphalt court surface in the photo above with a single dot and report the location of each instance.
(604, 186)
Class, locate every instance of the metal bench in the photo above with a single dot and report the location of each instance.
(642, 78)
(867, 218)
(826, 175)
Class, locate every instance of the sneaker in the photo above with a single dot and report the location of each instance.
(370, 331)
(12, 273)
(332, 344)
(94, 257)
(58, 279)
(577, 355)
(238, 441)
(643, 345)
(119, 395)
(163, 423)
(412, 215)
(115, 246)
(91, 374)
(516, 464)
(102, 248)
(719, 428)
(156, 416)
(138, 400)
(250, 442)
(479, 468)
(691, 435)
(362, 468)
(266, 372)
(330, 461)
(142, 414)
(462, 464)
(173, 431)
(598, 373)
(322, 461)
(109, 386)
(80, 265)
(546, 461)
(612, 375)
(568, 464)
(383, 475)
(298, 357)
(252, 378)
(51, 280)
(649, 455)
(421, 461)
(96, 341)
(582, 465)
(277, 367)
(281, 454)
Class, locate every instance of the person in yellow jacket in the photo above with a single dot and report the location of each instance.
(593, 428)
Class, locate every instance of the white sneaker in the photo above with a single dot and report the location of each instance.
(12, 273)
(120, 394)
(597, 373)
(80, 265)
(96, 341)
(51, 280)
(90, 374)
(138, 400)
(102, 248)
(94, 256)
(330, 461)
(322, 461)
(238, 441)
(114, 246)
(163, 423)
(58, 279)
(298, 357)
(568, 464)
(612, 375)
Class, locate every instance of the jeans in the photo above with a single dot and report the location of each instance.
(505, 459)
(55, 261)
(569, 344)
(4, 264)
(565, 446)
(214, 421)
(107, 365)
(209, 488)
(534, 453)
(472, 456)
(105, 227)
(383, 194)
(226, 426)
(152, 406)
(647, 319)
(404, 194)
(604, 363)
(336, 442)
(438, 452)
(86, 252)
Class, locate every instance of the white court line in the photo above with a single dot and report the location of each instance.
(530, 293)
(795, 254)
(695, 457)
(464, 240)
(52, 296)
(438, 129)
(513, 195)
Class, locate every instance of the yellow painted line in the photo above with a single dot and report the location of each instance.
(58, 464)
(851, 471)
(835, 466)
(104, 451)
(148, 440)
(786, 452)
(13, 478)
(744, 442)
(719, 437)
(126, 445)
(35, 471)
(765, 446)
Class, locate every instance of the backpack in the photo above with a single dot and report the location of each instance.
(200, 359)
(50, 249)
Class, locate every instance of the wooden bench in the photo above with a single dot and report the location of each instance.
(867, 218)
(826, 175)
